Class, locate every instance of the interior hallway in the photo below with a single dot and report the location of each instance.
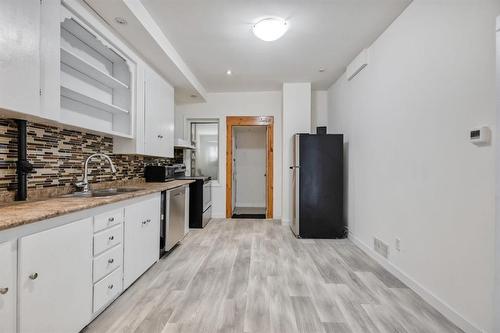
(254, 276)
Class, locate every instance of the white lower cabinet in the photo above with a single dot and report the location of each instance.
(141, 238)
(8, 273)
(108, 258)
(107, 262)
(107, 289)
(55, 279)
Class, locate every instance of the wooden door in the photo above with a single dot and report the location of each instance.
(267, 121)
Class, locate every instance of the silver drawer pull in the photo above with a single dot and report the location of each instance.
(111, 219)
(111, 238)
(111, 260)
(110, 286)
(33, 276)
(4, 291)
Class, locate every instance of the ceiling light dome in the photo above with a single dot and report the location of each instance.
(270, 29)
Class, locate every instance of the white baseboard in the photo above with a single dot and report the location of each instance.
(283, 221)
(428, 296)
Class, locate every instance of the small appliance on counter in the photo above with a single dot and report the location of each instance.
(200, 197)
(159, 173)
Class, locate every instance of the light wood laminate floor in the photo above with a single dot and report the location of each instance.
(254, 276)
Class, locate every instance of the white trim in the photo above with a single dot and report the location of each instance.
(428, 296)
(285, 222)
(496, 293)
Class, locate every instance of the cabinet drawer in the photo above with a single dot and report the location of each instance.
(107, 239)
(108, 219)
(107, 289)
(107, 262)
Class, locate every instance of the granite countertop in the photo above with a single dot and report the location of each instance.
(20, 213)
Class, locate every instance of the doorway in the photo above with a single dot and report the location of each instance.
(249, 172)
(249, 167)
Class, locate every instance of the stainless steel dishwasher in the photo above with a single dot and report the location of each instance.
(176, 200)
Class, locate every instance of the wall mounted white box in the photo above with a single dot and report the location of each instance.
(480, 136)
(358, 64)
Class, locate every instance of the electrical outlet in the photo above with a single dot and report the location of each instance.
(397, 244)
(381, 247)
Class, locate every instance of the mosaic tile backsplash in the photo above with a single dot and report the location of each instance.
(58, 156)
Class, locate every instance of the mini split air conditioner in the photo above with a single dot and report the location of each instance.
(358, 64)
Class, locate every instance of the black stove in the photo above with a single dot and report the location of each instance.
(200, 197)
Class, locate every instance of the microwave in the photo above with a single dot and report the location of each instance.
(159, 173)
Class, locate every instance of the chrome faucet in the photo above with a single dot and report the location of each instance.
(84, 184)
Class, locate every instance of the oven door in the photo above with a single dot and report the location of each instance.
(206, 217)
(207, 195)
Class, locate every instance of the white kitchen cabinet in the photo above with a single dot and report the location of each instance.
(154, 122)
(141, 238)
(29, 57)
(20, 56)
(96, 73)
(158, 115)
(55, 279)
(8, 273)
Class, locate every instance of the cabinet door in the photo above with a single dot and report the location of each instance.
(142, 238)
(20, 55)
(159, 115)
(8, 262)
(55, 279)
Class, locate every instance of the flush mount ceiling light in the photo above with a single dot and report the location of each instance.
(270, 29)
(120, 20)
(228, 72)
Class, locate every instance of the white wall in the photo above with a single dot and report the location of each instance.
(497, 252)
(250, 166)
(220, 105)
(412, 173)
(296, 119)
(319, 109)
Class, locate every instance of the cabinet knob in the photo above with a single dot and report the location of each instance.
(4, 291)
(160, 136)
(111, 260)
(33, 276)
(111, 237)
(111, 219)
(110, 286)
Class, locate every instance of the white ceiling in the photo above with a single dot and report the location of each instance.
(213, 36)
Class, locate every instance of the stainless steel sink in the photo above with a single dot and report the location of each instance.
(102, 193)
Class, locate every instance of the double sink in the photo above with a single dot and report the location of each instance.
(102, 193)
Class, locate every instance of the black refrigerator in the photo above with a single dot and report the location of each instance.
(318, 186)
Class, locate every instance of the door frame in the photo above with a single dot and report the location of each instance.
(267, 121)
